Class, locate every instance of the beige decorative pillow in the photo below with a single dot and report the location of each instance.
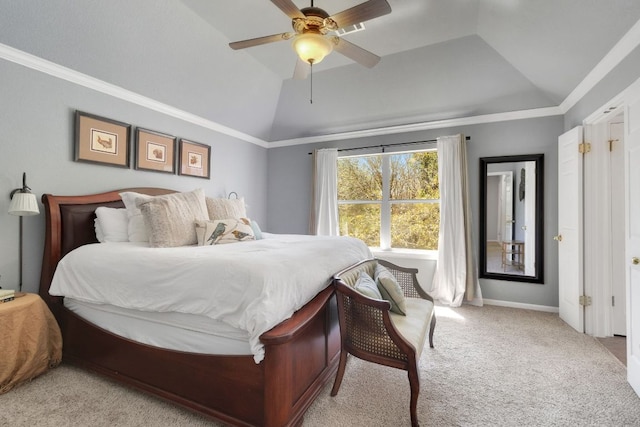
(220, 208)
(224, 231)
(390, 290)
(169, 219)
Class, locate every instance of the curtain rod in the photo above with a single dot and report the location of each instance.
(467, 138)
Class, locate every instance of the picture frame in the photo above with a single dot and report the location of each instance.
(155, 151)
(101, 140)
(195, 159)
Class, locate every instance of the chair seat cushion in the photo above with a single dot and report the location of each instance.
(415, 324)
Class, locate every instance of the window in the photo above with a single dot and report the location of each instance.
(390, 201)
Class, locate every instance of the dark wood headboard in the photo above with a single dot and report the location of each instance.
(70, 224)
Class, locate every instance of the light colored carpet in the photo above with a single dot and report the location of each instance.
(492, 366)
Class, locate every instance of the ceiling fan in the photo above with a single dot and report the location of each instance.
(313, 38)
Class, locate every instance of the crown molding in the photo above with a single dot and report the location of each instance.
(438, 124)
(44, 66)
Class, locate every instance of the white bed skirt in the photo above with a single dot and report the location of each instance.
(173, 331)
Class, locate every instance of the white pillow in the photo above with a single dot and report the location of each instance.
(99, 232)
(111, 224)
(136, 229)
(224, 231)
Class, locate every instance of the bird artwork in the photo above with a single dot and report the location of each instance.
(158, 154)
(239, 234)
(105, 142)
(219, 231)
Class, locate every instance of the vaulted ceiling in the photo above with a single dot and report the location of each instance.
(440, 59)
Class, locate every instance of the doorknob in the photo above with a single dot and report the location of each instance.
(558, 237)
(635, 260)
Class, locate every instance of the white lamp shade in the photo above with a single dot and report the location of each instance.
(24, 204)
(312, 47)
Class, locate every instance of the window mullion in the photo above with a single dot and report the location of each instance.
(385, 207)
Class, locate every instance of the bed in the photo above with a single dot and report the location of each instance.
(274, 388)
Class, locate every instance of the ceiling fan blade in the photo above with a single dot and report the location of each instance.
(361, 13)
(358, 54)
(302, 69)
(289, 8)
(243, 44)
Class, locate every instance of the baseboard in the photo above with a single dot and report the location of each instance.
(521, 305)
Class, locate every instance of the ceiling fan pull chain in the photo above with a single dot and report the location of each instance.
(311, 83)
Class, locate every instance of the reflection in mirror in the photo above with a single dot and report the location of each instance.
(511, 218)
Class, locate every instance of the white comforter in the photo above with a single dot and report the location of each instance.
(249, 285)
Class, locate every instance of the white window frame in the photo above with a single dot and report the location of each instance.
(386, 203)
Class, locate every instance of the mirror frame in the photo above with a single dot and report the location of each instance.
(539, 255)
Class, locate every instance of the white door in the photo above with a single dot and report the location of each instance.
(529, 226)
(616, 191)
(632, 221)
(507, 205)
(570, 233)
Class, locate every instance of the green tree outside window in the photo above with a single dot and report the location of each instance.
(403, 187)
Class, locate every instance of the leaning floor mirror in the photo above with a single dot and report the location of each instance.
(511, 218)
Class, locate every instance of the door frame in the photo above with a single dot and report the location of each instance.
(617, 202)
(597, 219)
(627, 100)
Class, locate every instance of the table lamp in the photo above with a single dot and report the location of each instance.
(23, 203)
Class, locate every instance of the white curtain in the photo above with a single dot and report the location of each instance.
(456, 276)
(324, 212)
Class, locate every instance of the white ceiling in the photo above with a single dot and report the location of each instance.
(527, 54)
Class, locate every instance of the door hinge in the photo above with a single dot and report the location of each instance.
(584, 147)
(585, 300)
(613, 301)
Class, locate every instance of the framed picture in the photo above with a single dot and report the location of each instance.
(195, 159)
(101, 140)
(155, 151)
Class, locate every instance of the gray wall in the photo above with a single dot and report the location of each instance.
(161, 49)
(290, 175)
(120, 43)
(36, 124)
(139, 46)
(289, 184)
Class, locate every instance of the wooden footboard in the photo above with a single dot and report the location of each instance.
(301, 353)
(301, 356)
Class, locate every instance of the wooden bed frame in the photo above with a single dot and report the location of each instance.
(301, 353)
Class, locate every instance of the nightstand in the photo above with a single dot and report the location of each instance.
(30, 340)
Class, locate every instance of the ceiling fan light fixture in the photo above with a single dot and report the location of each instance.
(312, 47)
